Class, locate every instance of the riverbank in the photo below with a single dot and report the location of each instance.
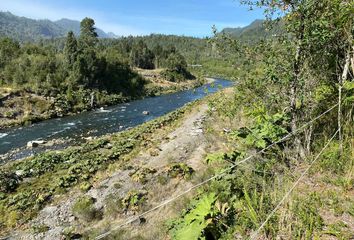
(93, 124)
(44, 178)
(40, 178)
(168, 151)
(19, 107)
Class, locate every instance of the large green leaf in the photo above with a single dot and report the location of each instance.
(197, 219)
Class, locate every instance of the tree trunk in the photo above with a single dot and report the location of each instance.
(293, 91)
(342, 80)
(308, 138)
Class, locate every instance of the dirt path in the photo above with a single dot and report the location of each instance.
(146, 174)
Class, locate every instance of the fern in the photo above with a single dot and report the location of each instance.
(193, 224)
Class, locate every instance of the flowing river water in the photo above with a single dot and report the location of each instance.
(100, 122)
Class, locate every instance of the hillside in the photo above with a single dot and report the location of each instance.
(255, 31)
(26, 29)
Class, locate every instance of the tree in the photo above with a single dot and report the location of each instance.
(158, 52)
(87, 63)
(9, 50)
(88, 35)
(141, 56)
(176, 62)
(70, 50)
(323, 35)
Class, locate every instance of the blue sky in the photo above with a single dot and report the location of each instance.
(141, 17)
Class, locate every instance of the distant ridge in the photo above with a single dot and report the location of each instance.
(255, 31)
(26, 29)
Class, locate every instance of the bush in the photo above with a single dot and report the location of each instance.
(181, 170)
(333, 161)
(133, 200)
(176, 76)
(84, 209)
(8, 182)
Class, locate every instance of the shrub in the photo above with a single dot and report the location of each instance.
(85, 186)
(181, 170)
(133, 200)
(142, 175)
(332, 160)
(8, 182)
(84, 209)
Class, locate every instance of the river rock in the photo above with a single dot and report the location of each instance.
(33, 144)
(146, 112)
(19, 173)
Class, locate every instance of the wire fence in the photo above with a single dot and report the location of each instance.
(219, 175)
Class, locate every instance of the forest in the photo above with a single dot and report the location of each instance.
(82, 72)
(270, 158)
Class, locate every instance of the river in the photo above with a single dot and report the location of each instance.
(100, 122)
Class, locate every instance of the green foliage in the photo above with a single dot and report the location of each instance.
(266, 129)
(349, 93)
(8, 182)
(222, 157)
(133, 200)
(333, 160)
(180, 170)
(70, 50)
(85, 186)
(9, 49)
(142, 175)
(195, 222)
(141, 56)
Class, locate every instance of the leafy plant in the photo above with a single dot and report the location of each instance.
(266, 128)
(181, 170)
(196, 220)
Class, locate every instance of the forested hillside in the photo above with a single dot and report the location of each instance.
(258, 30)
(26, 29)
(81, 72)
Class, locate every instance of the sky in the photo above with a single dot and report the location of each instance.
(141, 17)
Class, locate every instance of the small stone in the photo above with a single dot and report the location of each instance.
(19, 172)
